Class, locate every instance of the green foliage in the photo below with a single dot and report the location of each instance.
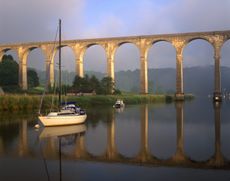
(90, 84)
(33, 80)
(78, 84)
(107, 85)
(117, 92)
(8, 72)
(9, 75)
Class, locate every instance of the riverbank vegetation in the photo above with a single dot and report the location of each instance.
(32, 102)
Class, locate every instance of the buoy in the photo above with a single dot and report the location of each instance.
(37, 126)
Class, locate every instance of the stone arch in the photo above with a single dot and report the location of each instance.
(157, 60)
(225, 50)
(36, 61)
(189, 40)
(100, 60)
(160, 40)
(67, 62)
(120, 58)
(208, 42)
(198, 51)
(29, 49)
(5, 50)
(120, 43)
(225, 65)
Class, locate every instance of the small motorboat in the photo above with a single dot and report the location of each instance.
(119, 103)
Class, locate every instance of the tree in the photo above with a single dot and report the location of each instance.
(8, 71)
(78, 83)
(9, 75)
(107, 85)
(95, 84)
(90, 84)
(33, 80)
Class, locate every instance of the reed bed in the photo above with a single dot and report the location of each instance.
(32, 102)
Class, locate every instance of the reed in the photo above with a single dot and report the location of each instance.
(32, 102)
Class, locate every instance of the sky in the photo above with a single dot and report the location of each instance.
(29, 20)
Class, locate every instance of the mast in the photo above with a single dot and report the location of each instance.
(59, 58)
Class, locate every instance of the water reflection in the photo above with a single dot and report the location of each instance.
(78, 146)
(63, 136)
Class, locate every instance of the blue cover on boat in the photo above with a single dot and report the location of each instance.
(67, 103)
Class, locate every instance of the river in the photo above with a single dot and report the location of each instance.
(177, 141)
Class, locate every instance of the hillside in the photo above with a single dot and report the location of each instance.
(197, 80)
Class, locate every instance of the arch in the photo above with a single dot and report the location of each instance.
(162, 67)
(161, 40)
(9, 51)
(225, 53)
(199, 43)
(95, 53)
(199, 67)
(127, 54)
(93, 44)
(225, 67)
(198, 38)
(36, 61)
(67, 64)
(125, 42)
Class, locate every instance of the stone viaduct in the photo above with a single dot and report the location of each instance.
(110, 45)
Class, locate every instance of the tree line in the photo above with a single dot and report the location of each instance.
(9, 75)
(91, 84)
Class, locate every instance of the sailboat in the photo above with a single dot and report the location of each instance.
(68, 114)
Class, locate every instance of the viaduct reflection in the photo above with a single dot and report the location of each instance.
(144, 156)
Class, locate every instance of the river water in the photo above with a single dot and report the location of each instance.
(178, 141)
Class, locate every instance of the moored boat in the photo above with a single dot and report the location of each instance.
(119, 103)
(68, 114)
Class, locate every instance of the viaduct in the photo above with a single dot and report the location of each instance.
(110, 45)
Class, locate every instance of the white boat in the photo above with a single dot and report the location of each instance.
(58, 119)
(119, 103)
(56, 131)
(67, 115)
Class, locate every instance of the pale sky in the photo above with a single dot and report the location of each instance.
(29, 20)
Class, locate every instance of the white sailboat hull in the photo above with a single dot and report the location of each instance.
(61, 120)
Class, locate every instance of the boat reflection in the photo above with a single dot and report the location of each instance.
(57, 131)
(120, 109)
(64, 136)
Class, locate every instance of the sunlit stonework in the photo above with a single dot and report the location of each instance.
(179, 41)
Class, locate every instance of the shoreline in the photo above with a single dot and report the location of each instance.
(16, 102)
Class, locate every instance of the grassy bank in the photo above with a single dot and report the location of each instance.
(32, 102)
